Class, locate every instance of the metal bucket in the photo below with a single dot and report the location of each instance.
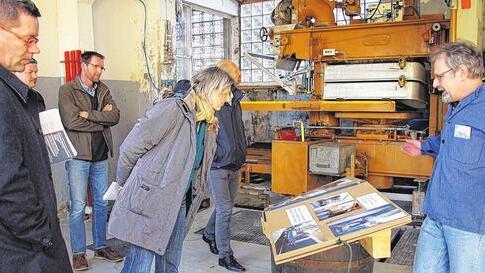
(335, 260)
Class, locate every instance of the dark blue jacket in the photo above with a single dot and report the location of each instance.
(231, 141)
(28, 209)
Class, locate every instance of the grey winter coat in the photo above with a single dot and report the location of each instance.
(30, 236)
(154, 167)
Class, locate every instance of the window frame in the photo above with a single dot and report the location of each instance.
(188, 34)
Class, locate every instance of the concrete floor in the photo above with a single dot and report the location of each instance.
(196, 257)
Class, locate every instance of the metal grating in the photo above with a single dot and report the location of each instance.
(246, 227)
(117, 245)
(403, 252)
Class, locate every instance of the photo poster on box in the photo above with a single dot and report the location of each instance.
(334, 206)
(318, 220)
(320, 191)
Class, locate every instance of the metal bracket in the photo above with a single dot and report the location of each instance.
(290, 89)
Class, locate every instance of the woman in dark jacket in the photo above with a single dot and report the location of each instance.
(168, 152)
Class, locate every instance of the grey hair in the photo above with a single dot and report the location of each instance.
(462, 53)
(10, 10)
(210, 80)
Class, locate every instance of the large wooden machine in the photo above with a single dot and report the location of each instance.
(370, 89)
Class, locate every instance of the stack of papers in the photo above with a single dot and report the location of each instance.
(58, 144)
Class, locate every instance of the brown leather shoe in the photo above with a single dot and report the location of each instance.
(107, 254)
(79, 262)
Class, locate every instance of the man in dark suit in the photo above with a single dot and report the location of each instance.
(30, 236)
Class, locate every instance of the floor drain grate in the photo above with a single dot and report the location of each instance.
(403, 251)
(246, 227)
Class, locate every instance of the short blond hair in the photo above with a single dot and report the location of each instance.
(210, 80)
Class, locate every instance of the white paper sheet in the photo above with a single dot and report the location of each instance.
(58, 144)
(112, 192)
(299, 215)
(372, 200)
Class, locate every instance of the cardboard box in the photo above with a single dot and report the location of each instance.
(345, 210)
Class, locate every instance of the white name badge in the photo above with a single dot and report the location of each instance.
(462, 131)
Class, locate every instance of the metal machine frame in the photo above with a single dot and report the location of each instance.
(307, 39)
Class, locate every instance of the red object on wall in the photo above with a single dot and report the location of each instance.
(77, 61)
(67, 67)
(72, 64)
(286, 134)
(466, 4)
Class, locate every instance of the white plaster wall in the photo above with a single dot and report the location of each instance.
(49, 57)
(118, 28)
(118, 34)
(114, 28)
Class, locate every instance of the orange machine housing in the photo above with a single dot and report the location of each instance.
(410, 39)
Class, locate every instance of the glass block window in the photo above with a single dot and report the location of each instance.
(253, 17)
(345, 20)
(182, 70)
(200, 41)
(207, 39)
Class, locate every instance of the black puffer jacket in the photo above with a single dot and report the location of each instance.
(231, 141)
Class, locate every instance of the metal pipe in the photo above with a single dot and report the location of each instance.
(302, 128)
(403, 128)
(453, 20)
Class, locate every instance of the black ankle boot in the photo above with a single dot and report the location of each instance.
(231, 264)
(212, 244)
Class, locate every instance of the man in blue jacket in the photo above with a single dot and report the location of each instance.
(225, 173)
(452, 237)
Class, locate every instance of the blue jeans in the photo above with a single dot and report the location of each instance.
(443, 249)
(79, 173)
(224, 185)
(139, 260)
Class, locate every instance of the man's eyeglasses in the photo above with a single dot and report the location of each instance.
(28, 41)
(97, 66)
(440, 76)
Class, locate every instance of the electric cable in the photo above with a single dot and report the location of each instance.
(343, 14)
(377, 8)
(145, 48)
(340, 241)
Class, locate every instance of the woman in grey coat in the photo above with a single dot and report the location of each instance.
(168, 153)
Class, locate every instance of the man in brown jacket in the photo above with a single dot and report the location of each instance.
(87, 112)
